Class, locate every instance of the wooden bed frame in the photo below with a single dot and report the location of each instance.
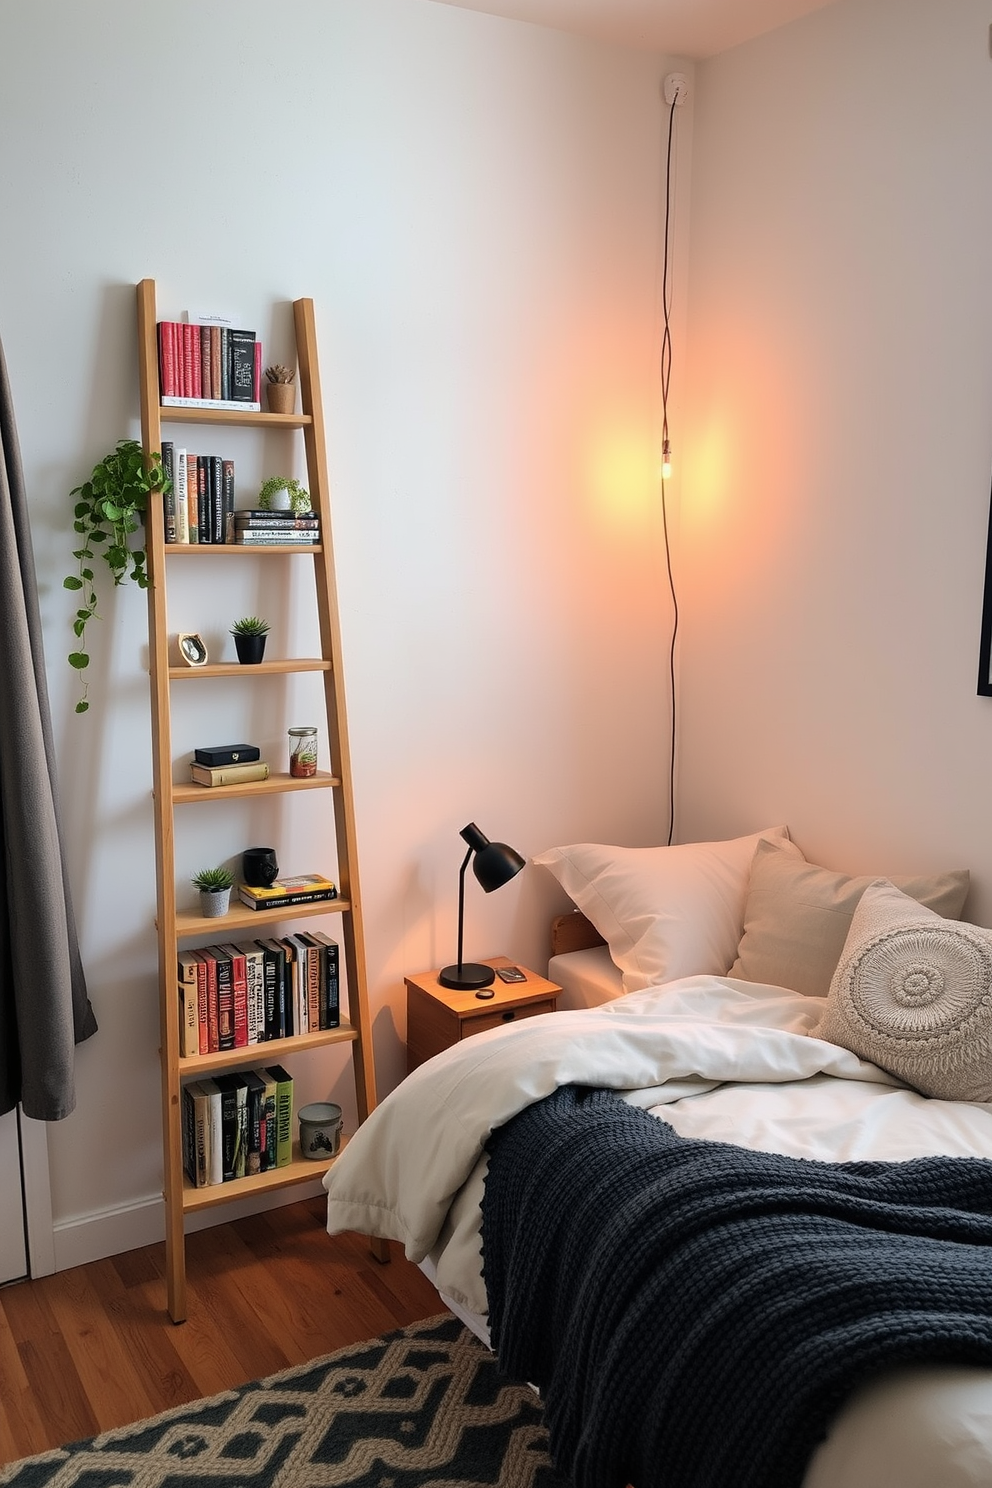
(573, 932)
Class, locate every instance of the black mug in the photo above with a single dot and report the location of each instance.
(259, 868)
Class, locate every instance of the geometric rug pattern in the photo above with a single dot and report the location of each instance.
(424, 1407)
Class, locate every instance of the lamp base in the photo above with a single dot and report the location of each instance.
(467, 977)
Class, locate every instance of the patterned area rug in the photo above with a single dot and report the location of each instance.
(423, 1406)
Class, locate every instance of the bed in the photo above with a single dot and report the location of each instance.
(742, 1023)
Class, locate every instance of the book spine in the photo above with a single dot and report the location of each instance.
(313, 985)
(181, 474)
(268, 1136)
(228, 1128)
(242, 366)
(214, 362)
(256, 1116)
(250, 538)
(228, 774)
(256, 387)
(284, 1116)
(189, 1043)
(215, 1144)
(225, 1001)
(189, 1136)
(169, 497)
(192, 500)
(213, 1016)
(189, 380)
(225, 363)
(255, 978)
(205, 382)
(286, 901)
(332, 986)
(167, 359)
(228, 499)
(202, 501)
(290, 1007)
(196, 360)
(180, 402)
(239, 994)
(216, 487)
(201, 1131)
(241, 1148)
(202, 995)
(245, 523)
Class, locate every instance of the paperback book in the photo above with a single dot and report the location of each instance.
(308, 888)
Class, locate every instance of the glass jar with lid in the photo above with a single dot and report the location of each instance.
(302, 752)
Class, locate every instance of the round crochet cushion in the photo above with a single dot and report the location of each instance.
(912, 993)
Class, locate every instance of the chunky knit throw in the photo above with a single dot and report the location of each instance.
(694, 1313)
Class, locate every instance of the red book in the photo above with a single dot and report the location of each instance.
(167, 358)
(205, 383)
(202, 1003)
(239, 994)
(213, 1010)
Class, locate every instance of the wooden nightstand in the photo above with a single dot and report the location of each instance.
(438, 1017)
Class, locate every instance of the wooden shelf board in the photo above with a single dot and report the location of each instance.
(240, 917)
(170, 415)
(300, 1170)
(262, 668)
(267, 1053)
(279, 783)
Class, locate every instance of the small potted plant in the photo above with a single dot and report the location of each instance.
(279, 389)
(283, 493)
(249, 639)
(215, 885)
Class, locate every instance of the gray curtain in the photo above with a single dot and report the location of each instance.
(44, 1009)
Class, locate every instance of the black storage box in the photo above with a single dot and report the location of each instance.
(227, 754)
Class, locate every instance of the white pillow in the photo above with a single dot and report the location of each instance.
(912, 993)
(664, 912)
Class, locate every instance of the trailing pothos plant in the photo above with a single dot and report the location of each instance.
(109, 510)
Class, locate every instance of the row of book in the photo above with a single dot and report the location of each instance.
(208, 365)
(237, 1124)
(198, 504)
(236, 994)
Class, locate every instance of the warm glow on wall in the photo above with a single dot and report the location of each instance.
(621, 472)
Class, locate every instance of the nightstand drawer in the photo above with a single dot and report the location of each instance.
(497, 1018)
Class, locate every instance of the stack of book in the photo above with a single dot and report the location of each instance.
(198, 505)
(235, 1125)
(306, 888)
(263, 528)
(236, 994)
(208, 365)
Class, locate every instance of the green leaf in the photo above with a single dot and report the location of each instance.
(82, 706)
(86, 573)
(78, 626)
(72, 583)
(111, 510)
(78, 660)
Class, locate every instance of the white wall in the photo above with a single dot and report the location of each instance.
(474, 206)
(836, 502)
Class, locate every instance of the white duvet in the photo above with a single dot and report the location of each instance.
(718, 1059)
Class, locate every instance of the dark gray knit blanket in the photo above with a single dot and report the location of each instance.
(694, 1313)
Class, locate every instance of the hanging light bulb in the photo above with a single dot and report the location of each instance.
(666, 460)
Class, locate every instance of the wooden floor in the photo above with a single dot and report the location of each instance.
(94, 1347)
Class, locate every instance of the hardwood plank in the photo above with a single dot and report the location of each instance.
(95, 1346)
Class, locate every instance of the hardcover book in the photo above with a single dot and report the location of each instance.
(242, 365)
(284, 1114)
(330, 1007)
(252, 537)
(308, 888)
(215, 1142)
(228, 774)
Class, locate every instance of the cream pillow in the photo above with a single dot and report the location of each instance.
(664, 912)
(797, 915)
(913, 994)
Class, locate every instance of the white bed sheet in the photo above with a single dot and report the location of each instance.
(717, 1058)
(586, 978)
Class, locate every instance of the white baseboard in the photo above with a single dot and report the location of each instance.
(93, 1237)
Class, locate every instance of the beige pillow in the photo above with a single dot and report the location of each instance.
(797, 916)
(913, 993)
(664, 912)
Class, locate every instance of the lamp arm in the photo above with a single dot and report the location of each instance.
(461, 903)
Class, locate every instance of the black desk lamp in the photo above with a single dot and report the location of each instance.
(494, 865)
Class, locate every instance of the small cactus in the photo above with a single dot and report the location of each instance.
(279, 374)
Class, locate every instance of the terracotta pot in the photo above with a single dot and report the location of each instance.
(281, 396)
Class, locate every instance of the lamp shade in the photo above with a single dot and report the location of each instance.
(494, 864)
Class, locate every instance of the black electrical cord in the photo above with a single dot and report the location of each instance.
(666, 372)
